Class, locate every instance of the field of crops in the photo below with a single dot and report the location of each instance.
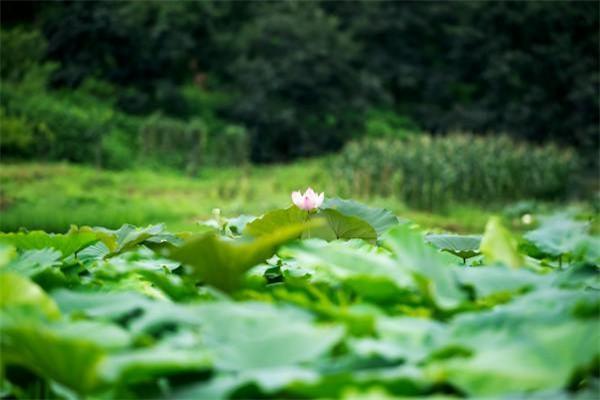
(318, 299)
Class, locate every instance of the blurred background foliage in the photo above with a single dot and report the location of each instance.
(196, 85)
(435, 172)
(302, 76)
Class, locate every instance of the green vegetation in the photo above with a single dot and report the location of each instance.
(343, 301)
(54, 196)
(436, 172)
(299, 78)
(84, 126)
(154, 244)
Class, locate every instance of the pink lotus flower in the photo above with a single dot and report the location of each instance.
(309, 200)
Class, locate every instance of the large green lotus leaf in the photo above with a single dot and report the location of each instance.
(174, 286)
(94, 252)
(18, 291)
(160, 314)
(336, 261)
(407, 338)
(143, 314)
(379, 218)
(404, 380)
(274, 220)
(242, 336)
(237, 225)
(66, 244)
(7, 254)
(129, 236)
(544, 305)
(105, 335)
(498, 245)
(488, 280)
(268, 380)
(348, 227)
(70, 361)
(32, 263)
(587, 250)
(560, 234)
(105, 305)
(580, 275)
(218, 388)
(142, 259)
(462, 246)
(142, 364)
(238, 336)
(435, 271)
(338, 225)
(540, 309)
(538, 357)
(249, 336)
(532, 343)
(221, 263)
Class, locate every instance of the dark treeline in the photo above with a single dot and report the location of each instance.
(303, 77)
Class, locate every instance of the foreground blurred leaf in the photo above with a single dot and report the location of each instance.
(141, 364)
(498, 245)
(371, 274)
(17, 291)
(534, 343)
(256, 335)
(54, 354)
(221, 263)
(268, 380)
(560, 235)
(541, 360)
(489, 280)
(406, 338)
(34, 262)
(105, 305)
(435, 271)
(128, 236)
(237, 224)
(7, 253)
(66, 244)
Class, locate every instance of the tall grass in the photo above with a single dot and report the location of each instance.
(433, 172)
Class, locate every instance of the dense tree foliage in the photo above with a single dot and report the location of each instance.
(528, 68)
(303, 76)
(301, 88)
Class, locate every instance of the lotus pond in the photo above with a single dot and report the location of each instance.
(343, 301)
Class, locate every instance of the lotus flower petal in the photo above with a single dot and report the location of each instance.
(309, 200)
(319, 200)
(297, 198)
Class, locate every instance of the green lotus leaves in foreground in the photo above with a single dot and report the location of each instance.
(338, 301)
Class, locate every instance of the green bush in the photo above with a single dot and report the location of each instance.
(189, 145)
(228, 146)
(161, 138)
(17, 134)
(84, 126)
(61, 125)
(431, 172)
(225, 143)
(22, 50)
(388, 124)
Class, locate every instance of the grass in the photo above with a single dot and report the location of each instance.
(54, 196)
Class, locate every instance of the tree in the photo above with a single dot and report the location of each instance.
(300, 88)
